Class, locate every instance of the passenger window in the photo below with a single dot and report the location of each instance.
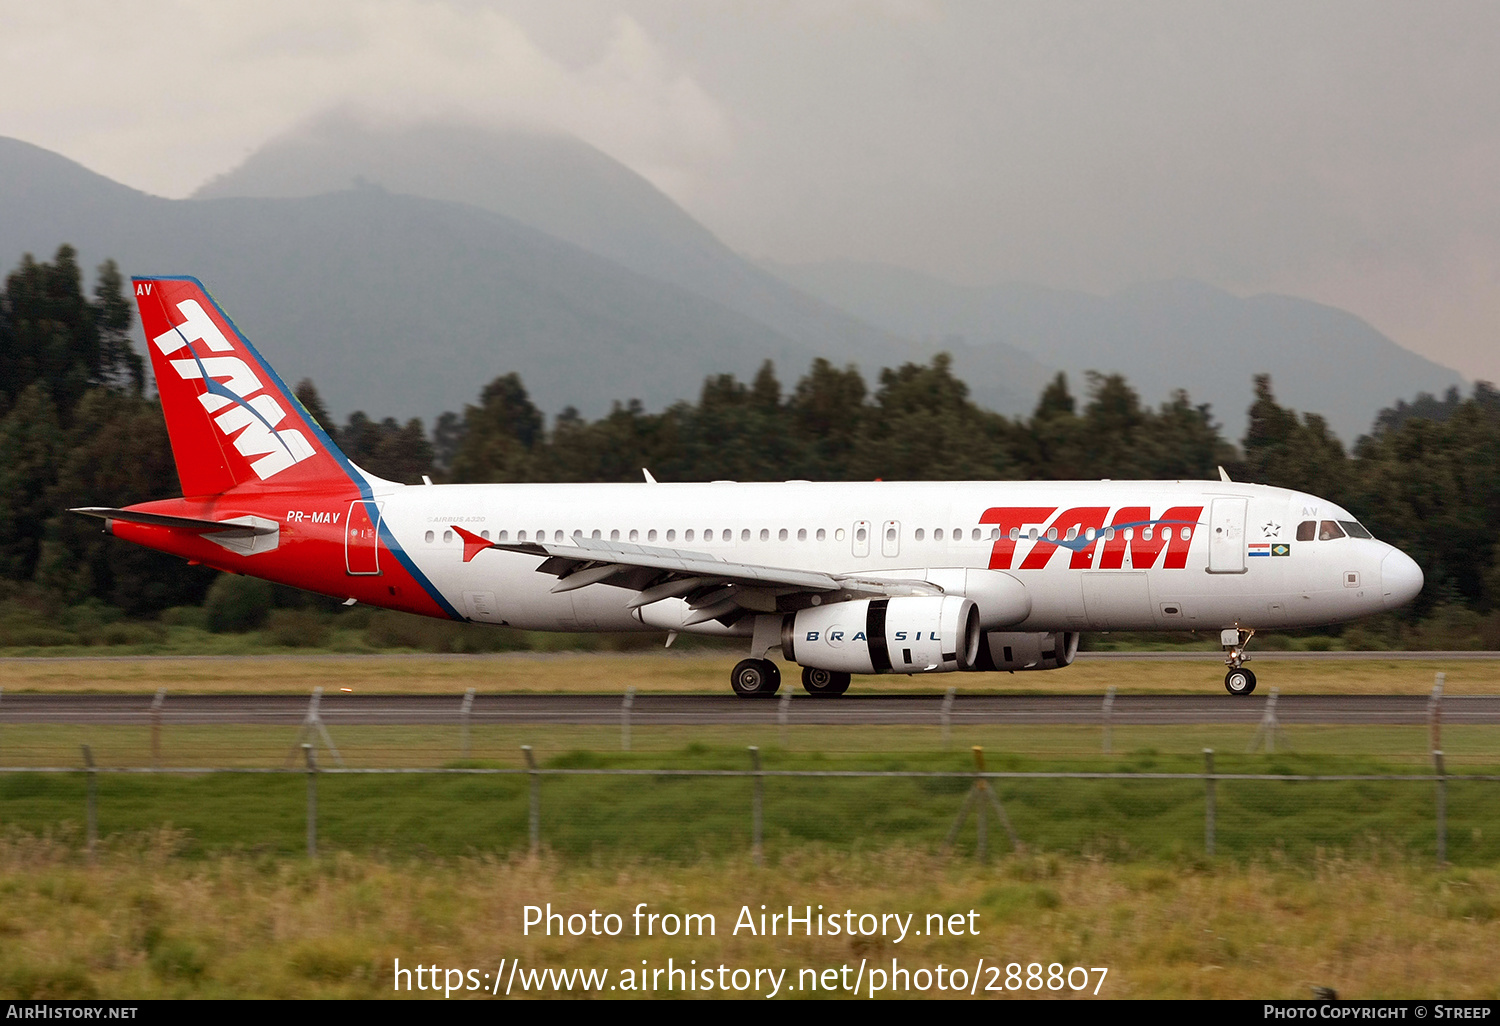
(1307, 530)
(651, 534)
(1015, 534)
(503, 536)
(672, 535)
(937, 535)
(860, 535)
(921, 534)
(520, 536)
(447, 536)
(687, 535)
(635, 535)
(781, 535)
(614, 536)
(802, 534)
(765, 534)
(838, 535)
(430, 536)
(1329, 530)
(485, 534)
(745, 534)
(975, 534)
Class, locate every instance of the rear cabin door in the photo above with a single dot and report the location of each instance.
(1226, 541)
(362, 538)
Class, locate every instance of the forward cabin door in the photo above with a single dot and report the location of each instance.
(362, 538)
(1226, 540)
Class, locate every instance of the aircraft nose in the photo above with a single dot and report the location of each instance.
(1400, 579)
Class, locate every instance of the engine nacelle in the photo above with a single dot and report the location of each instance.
(918, 634)
(1007, 651)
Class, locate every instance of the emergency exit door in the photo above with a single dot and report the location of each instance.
(362, 538)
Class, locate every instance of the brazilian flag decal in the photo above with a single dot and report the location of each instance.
(1281, 549)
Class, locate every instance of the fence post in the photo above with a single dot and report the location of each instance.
(463, 717)
(91, 830)
(1210, 807)
(784, 717)
(981, 825)
(534, 817)
(946, 717)
(1109, 715)
(755, 806)
(156, 704)
(1435, 714)
(310, 754)
(625, 707)
(1442, 808)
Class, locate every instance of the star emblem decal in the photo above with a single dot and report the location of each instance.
(1270, 529)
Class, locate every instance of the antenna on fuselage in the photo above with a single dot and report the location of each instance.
(1223, 476)
(649, 478)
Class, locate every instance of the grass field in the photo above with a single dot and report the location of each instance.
(141, 923)
(699, 672)
(199, 888)
(588, 817)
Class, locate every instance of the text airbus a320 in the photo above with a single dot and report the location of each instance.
(877, 577)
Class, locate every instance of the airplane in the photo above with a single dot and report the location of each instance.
(873, 577)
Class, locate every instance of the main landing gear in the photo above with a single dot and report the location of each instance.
(824, 683)
(1238, 681)
(755, 678)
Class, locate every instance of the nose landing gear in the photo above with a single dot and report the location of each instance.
(1238, 681)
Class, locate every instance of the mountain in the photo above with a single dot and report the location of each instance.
(1160, 335)
(402, 305)
(404, 269)
(558, 185)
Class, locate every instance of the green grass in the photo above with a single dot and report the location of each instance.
(592, 818)
(239, 745)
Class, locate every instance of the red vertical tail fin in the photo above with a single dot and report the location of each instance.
(232, 421)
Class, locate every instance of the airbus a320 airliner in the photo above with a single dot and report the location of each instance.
(876, 577)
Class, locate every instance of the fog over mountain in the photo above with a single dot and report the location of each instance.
(403, 268)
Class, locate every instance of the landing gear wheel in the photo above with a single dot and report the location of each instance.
(1239, 682)
(755, 678)
(824, 683)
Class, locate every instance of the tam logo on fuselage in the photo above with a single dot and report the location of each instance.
(1131, 531)
(234, 397)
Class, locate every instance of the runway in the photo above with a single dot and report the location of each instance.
(662, 710)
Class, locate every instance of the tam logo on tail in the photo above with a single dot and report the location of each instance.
(252, 416)
(231, 419)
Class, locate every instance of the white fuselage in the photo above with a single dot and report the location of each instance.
(1240, 564)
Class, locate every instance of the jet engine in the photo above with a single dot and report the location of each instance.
(1009, 651)
(919, 634)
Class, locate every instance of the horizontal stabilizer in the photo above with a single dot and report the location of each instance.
(179, 523)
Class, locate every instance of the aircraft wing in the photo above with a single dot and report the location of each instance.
(713, 588)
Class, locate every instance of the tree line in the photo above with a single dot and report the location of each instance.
(78, 427)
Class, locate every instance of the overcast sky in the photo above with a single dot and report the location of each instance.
(1348, 152)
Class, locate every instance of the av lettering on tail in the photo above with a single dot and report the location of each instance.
(872, 578)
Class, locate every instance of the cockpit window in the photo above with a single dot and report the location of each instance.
(1355, 529)
(1307, 530)
(1329, 530)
